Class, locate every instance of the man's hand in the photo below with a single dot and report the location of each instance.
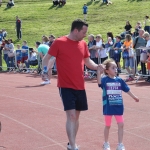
(45, 76)
(100, 68)
(136, 99)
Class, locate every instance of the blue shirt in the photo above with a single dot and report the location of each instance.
(18, 55)
(1, 37)
(117, 45)
(85, 9)
(26, 53)
(112, 95)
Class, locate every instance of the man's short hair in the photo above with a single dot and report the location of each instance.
(78, 24)
(38, 43)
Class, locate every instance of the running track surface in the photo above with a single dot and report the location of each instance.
(32, 116)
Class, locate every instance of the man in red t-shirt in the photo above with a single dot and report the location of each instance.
(71, 54)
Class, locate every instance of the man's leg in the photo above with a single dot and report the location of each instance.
(72, 125)
(18, 33)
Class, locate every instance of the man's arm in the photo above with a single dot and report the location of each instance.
(90, 63)
(45, 60)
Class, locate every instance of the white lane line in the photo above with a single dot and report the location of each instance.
(10, 118)
(32, 102)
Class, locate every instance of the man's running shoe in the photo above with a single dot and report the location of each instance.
(45, 82)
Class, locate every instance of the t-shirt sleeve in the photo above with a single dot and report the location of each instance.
(102, 83)
(124, 86)
(39, 49)
(87, 53)
(53, 50)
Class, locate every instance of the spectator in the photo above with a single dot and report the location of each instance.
(4, 33)
(129, 60)
(1, 37)
(92, 48)
(85, 10)
(137, 28)
(138, 42)
(5, 52)
(111, 51)
(108, 2)
(18, 28)
(99, 42)
(51, 40)
(45, 40)
(148, 64)
(10, 53)
(147, 24)
(18, 57)
(127, 28)
(146, 36)
(10, 3)
(117, 52)
(24, 51)
(62, 2)
(32, 60)
(0, 3)
(55, 2)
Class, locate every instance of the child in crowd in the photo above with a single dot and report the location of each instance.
(117, 52)
(148, 65)
(112, 87)
(24, 51)
(0, 3)
(18, 57)
(129, 60)
(85, 10)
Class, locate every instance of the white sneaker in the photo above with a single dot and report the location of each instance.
(120, 147)
(28, 71)
(106, 146)
(45, 82)
(69, 147)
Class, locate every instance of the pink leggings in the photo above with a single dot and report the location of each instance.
(119, 119)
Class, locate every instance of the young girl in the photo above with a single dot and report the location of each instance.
(112, 87)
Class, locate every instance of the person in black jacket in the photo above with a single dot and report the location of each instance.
(18, 27)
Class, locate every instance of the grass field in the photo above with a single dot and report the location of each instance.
(39, 17)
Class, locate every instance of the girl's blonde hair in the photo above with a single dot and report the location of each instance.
(107, 64)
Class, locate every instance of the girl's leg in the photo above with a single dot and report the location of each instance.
(107, 127)
(120, 122)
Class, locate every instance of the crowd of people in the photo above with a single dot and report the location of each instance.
(119, 47)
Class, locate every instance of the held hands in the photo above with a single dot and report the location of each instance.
(100, 69)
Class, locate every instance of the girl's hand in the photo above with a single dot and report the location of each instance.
(136, 99)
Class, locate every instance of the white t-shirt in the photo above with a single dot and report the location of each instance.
(148, 43)
(103, 53)
(99, 44)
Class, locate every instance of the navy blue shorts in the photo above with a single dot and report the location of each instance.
(73, 99)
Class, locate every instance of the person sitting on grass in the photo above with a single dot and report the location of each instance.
(10, 3)
(55, 2)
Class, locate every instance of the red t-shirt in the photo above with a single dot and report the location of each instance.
(70, 62)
